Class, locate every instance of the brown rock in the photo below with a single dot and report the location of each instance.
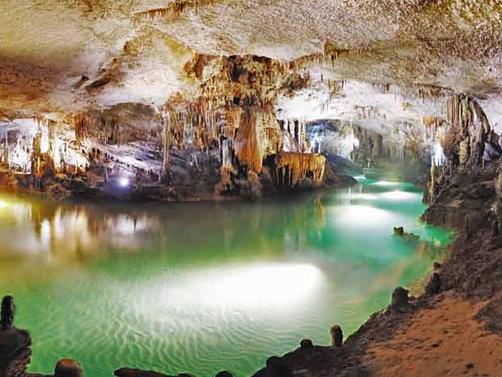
(130, 372)
(68, 368)
(7, 313)
(306, 344)
(336, 336)
(400, 298)
(434, 285)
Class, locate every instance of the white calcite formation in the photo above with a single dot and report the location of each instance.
(211, 93)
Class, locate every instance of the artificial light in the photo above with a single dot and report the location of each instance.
(123, 182)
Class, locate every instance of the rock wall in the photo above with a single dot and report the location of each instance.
(465, 142)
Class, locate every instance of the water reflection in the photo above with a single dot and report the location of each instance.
(204, 287)
(72, 231)
(37, 227)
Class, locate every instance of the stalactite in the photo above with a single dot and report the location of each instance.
(248, 148)
(166, 142)
(175, 9)
(468, 132)
(383, 88)
(463, 137)
(292, 169)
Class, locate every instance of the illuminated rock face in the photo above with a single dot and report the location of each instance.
(466, 140)
(190, 148)
(291, 169)
(205, 96)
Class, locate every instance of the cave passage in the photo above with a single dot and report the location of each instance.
(205, 287)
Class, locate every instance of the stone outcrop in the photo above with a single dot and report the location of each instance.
(336, 336)
(15, 350)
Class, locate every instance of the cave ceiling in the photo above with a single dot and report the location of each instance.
(60, 56)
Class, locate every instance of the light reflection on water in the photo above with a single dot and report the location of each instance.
(205, 287)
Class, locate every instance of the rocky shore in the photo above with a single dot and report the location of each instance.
(455, 328)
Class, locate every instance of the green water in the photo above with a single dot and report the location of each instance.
(203, 287)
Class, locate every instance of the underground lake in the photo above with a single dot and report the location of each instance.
(203, 287)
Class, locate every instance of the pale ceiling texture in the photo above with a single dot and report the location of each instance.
(57, 56)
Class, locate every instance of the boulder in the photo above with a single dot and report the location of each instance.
(400, 298)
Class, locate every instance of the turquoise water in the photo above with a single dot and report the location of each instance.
(200, 288)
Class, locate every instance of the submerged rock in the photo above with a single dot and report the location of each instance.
(410, 237)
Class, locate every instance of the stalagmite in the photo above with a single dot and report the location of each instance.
(469, 131)
(166, 142)
(306, 344)
(15, 351)
(336, 336)
(434, 285)
(7, 313)
(248, 144)
(68, 368)
(400, 298)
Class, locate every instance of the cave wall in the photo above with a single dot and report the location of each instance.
(466, 142)
(220, 142)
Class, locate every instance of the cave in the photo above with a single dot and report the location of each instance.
(270, 188)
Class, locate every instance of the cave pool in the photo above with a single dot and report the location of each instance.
(205, 287)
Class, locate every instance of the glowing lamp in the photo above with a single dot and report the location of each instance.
(123, 182)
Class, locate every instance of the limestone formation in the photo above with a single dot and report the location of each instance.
(104, 92)
(215, 99)
(434, 285)
(15, 351)
(400, 298)
(306, 344)
(7, 313)
(68, 368)
(336, 336)
(292, 169)
(399, 231)
(409, 237)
